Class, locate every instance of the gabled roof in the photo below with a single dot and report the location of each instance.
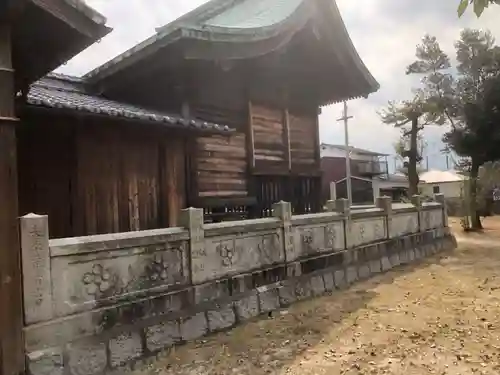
(62, 92)
(79, 5)
(269, 22)
(360, 151)
(47, 33)
(435, 176)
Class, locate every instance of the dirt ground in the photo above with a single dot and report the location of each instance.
(440, 316)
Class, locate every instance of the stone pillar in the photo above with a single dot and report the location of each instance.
(342, 206)
(192, 220)
(35, 251)
(283, 211)
(416, 200)
(385, 204)
(11, 309)
(439, 198)
(333, 191)
(376, 190)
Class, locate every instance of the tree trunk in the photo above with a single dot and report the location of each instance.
(412, 158)
(475, 218)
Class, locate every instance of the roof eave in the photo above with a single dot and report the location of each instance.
(137, 121)
(78, 15)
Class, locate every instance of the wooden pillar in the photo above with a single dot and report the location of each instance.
(11, 311)
(250, 139)
(286, 138)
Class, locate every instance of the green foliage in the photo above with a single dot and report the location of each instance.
(476, 133)
(432, 100)
(429, 104)
(478, 5)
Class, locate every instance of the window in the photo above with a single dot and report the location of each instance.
(435, 189)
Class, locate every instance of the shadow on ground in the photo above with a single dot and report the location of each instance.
(435, 316)
(271, 345)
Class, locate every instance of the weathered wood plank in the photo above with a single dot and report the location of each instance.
(286, 140)
(11, 308)
(250, 138)
(223, 193)
(174, 179)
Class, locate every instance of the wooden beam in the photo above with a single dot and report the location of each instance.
(250, 138)
(317, 142)
(286, 137)
(11, 309)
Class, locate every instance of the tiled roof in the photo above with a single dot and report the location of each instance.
(254, 14)
(90, 12)
(65, 92)
(353, 149)
(251, 21)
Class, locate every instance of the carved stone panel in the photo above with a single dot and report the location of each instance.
(84, 281)
(363, 231)
(224, 255)
(431, 219)
(404, 224)
(310, 240)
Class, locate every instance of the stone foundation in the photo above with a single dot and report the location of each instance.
(144, 328)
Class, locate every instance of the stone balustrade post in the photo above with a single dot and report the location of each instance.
(37, 284)
(283, 211)
(333, 191)
(385, 204)
(440, 198)
(192, 219)
(416, 200)
(342, 206)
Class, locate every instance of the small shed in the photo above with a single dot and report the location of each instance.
(450, 183)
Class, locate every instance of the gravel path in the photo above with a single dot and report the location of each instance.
(437, 317)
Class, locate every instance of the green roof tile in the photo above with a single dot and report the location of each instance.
(255, 14)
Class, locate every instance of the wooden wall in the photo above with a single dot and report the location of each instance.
(270, 138)
(285, 142)
(304, 143)
(45, 161)
(219, 164)
(222, 166)
(93, 178)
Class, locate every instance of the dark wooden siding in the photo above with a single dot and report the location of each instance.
(93, 178)
(303, 142)
(45, 165)
(220, 161)
(221, 166)
(269, 138)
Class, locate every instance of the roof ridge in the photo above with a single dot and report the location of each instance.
(86, 9)
(64, 77)
(199, 13)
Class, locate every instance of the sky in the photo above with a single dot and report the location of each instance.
(384, 32)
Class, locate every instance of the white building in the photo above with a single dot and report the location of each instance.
(369, 170)
(449, 183)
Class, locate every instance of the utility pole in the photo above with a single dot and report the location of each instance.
(345, 118)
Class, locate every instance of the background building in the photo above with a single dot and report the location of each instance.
(370, 176)
(449, 183)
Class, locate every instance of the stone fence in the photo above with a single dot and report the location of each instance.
(95, 304)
